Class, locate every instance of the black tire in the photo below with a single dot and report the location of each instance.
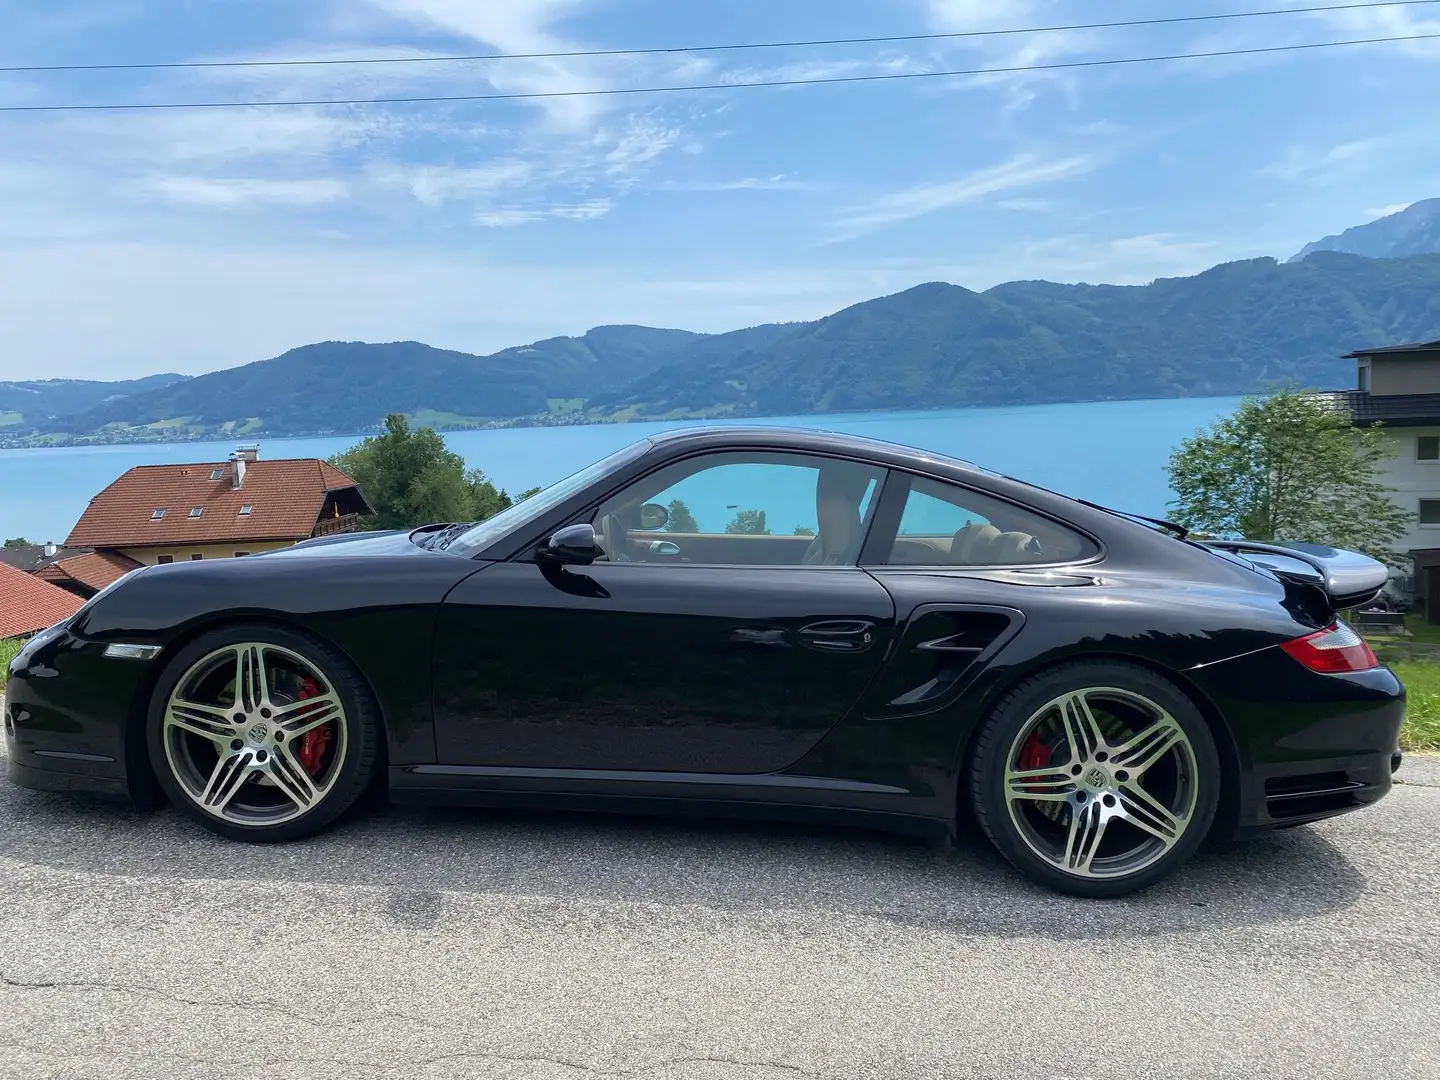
(361, 760)
(1001, 729)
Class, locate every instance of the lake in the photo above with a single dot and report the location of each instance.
(1111, 452)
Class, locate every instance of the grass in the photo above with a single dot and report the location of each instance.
(8, 648)
(1422, 705)
(11, 418)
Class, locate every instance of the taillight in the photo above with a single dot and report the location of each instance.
(1334, 650)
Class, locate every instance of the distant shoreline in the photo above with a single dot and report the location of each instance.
(36, 443)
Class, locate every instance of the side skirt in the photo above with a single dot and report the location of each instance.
(798, 800)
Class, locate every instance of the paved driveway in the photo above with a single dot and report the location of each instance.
(468, 944)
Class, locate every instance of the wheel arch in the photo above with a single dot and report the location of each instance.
(145, 790)
(1227, 813)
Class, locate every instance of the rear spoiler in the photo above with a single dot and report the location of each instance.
(1348, 578)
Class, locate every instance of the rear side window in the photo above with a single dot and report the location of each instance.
(946, 525)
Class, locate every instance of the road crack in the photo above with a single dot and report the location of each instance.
(273, 1007)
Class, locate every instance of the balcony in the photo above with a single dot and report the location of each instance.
(343, 524)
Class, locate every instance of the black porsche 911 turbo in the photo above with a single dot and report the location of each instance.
(742, 621)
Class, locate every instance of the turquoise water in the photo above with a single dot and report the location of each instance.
(1112, 452)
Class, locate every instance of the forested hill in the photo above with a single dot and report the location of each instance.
(1233, 329)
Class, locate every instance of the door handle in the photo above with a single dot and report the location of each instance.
(841, 635)
(664, 547)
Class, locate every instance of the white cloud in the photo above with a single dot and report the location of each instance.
(1387, 211)
(1344, 160)
(1023, 171)
(779, 182)
(512, 217)
(227, 193)
(435, 185)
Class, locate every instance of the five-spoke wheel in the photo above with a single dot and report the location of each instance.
(265, 735)
(1096, 778)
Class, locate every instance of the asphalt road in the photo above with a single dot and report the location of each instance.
(469, 944)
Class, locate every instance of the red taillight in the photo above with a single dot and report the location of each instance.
(1332, 651)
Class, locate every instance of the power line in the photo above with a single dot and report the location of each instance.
(889, 39)
(635, 90)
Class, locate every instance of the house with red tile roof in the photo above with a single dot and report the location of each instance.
(28, 604)
(164, 513)
(87, 573)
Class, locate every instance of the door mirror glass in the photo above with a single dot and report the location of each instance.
(573, 545)
(653, 516)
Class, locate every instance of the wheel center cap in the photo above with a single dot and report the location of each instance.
(258, 733)
(1097, 779)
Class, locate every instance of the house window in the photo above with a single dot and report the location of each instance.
(241, 554)
(246, 509)
(163, 559)
(1430, 511)
(196, 511)
(195, 556)
(216, 474)
(1427, 448)
(1364, 378)
(157, 515)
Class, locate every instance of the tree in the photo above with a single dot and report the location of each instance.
(527, 493)
(681, 519)
(803, 530)
(749, 523)
(19, 542)
(1289, 467)
(411, 479)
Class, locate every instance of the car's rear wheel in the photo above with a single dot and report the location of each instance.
(261, 733)
(1095, 778)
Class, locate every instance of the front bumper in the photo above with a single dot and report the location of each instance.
(69, 716)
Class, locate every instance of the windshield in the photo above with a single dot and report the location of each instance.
(481, 536)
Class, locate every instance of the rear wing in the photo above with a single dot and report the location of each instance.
(1347, 578)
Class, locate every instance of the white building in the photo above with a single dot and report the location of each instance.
(1398, 387)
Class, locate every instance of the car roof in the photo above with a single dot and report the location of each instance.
(798, 438)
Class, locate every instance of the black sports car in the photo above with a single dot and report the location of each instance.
(742, 621)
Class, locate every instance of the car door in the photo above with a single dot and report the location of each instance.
(730, 643)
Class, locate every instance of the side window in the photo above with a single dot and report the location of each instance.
(947, 525)
(753, 508)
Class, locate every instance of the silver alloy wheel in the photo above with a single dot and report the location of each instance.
(1115, 758)
(233, 734)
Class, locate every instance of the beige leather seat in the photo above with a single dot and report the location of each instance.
(838, 494)
(985, 545)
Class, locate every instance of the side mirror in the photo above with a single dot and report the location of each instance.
(573, 545)
(653, 516)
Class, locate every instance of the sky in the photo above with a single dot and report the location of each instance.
(190, 240)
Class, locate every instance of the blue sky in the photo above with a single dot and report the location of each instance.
(187, 241)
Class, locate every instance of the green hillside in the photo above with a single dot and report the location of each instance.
(1233, 329)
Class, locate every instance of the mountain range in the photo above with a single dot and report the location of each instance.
(1236, 328)
(1412, 231)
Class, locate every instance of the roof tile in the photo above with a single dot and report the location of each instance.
(286, 497)
(28, 604)
(93, 570)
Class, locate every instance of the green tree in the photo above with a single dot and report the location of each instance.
(19, 542)
(803, 530)
(1289, 467)
(411, 479)
(681, 519)
(527, 493)
(748, 523)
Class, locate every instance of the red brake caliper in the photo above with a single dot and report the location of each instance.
(1034, 754)
(315, 741)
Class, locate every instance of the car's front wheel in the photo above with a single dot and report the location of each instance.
(1095, 778)
(261, 733)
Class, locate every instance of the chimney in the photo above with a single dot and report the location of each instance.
(49, 549)
(238, 460)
